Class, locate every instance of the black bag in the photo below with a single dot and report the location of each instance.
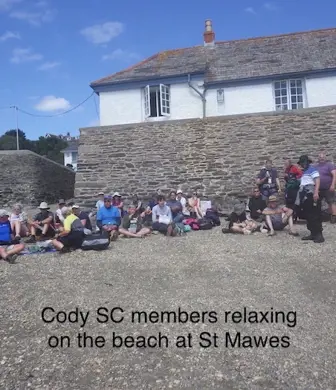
(213, 216)
(96, 242)
(205, 224)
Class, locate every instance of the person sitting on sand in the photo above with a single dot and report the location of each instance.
(238, 222)
(132, 224)
(194, 206)
(71, 235)
(108, 218)
(278, 217)
(162, 217)
(42, 224)
(9, 248)
(19, 221)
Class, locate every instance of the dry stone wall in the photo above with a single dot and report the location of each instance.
(30, 179)
(218, 156)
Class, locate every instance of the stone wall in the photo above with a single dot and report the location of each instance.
(218, 156)
(30, 179)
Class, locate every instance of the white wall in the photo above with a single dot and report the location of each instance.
(123, 107)
(120, 107)
(241, 100)
(321, 91)
(68, 160)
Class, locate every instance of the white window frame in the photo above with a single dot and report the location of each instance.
(162, 101)
(288, 98)
(147, 102)
(165, 99)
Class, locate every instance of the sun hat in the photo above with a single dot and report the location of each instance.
(100, 193)
(116, 194)
(75, 206)
(44, 206)
(179, 192)
(272, 198)
(304, 159)
(4, 213)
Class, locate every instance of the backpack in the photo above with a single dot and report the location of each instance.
(205, 224)
(213, 216)
(96, 241)
(192, 222)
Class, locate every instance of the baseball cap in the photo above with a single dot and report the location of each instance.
(4, 213)
(100, 193)
(75, 206)
(179, 192)
(108, 197)
(116, 194)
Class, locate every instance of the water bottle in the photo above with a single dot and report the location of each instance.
(133, 226)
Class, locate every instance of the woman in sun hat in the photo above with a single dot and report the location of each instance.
(118, 202)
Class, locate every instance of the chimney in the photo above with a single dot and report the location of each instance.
(209, 35)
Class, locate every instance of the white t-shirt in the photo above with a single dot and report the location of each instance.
(99, 204)
(183, 202)
(60, 215)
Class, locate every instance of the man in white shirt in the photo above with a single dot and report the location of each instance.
(162, 217)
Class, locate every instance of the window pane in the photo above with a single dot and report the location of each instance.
(300, 99)
(293, 83)
(285, 108)
(299, 91)
(293, 99)
(293, 91)
(284, 92)
(277, 85)
(277, 92)
(294, 106)
(299, 83)
(277, 100)
(300, 105)
(283, 84)
(284, 100)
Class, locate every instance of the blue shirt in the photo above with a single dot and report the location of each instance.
(5, 232)
(110, 216)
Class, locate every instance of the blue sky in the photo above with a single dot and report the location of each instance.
(50, 50)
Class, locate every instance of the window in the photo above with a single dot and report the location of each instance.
(157, 101)
(74, 157)
(288, 94)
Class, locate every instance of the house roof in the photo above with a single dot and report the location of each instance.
(239, 59)
(72, 146)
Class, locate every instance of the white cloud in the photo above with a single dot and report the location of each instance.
(250, 10)
(9, 35)
(52, 104)
(102, 33)
(270, 6)
(6, 5)
(25, 55)
(34, 18)
(121, 55)
(49, 65)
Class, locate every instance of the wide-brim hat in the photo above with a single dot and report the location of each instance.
(116, 194)
(44, 206)
(272, 198)
(304, 159)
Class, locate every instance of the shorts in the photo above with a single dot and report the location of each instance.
(72, 240)
(329, 196)
(50, 232)
(110, 228)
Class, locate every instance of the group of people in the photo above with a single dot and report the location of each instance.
(306, 186)
(69, 225)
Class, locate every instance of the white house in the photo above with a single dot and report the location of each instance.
(71, 154)
(284, 72)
